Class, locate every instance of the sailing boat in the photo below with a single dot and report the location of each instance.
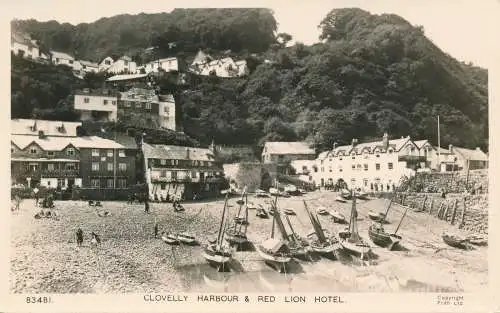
(350, 239)
(217, 253)
(275, 251)
(321, 244)
(293, 241)
(380, 237)
(237, 233)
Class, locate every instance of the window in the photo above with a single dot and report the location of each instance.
(366, 167)
(122, 166)
(50, 167)
(166, 110)
(57, 60)
(330, 169)
(69, 152)
(390, 166)
(33, 150)
(49, 153)
(86, 100)
(95, 152)
(107, 62)
(70, 61)
(113, 102)
(48, 183)
(70, 166)
(193, 174)
(163, 186)
(110, 183)
(163, 162)
(365, 182)
(148, 106)
(110, 167)
(122, 183)
(95, 166)
(103, 159)
(61, 182)
(127, 103)
(377, 166)
(353, 167)
(125, 63)
(104, 102)
(121, 153)
(390, 150)
(138, 105)
(359, 167)
(95, 183)
(110, 153)
(353, 157)
(174, 175)
(163, 173)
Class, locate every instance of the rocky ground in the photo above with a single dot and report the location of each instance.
(46, 259)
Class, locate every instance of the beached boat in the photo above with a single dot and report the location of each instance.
(218, 254)
(261, 212)
(261, 193)
(186, 238)
(170, 238)
(376, 216)
(274, 191)
(382, 238)
(275, 252)
(455, 241)
(337, 216)
(322, 211)
(237, 233)
(340, 199)
(322, 244)
(295, 243)
(350, 239)
(289, 212)
(346, 194)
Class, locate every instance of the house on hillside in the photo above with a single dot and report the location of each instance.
(181, 172)
(85, 66)
(201, 58)
(375, 165)
(159, 108)
(96, 105)
(283, 153)
(122, 65)
(61, 58)
(24, 46)
(105, 64)
(166, 64)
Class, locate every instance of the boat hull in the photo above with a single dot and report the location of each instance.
(454, 242)
(236, 237)
(214, 257)
(278, 259)
(383, 239)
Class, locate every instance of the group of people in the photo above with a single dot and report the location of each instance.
(96, 239)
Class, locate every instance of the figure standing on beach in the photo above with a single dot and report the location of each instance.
(79, 237)
(156, 230)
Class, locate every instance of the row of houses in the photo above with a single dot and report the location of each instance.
(374, 165)
(104, 105)
(203, 64)
(51, 154)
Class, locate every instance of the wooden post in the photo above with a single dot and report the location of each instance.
(403, 199)
(463, 214)
(445, 217)
(423, 203)
(454, 212)
(440, 211)
(432, 205)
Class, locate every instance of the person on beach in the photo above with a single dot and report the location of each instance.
(79, 237)
(37, 196)
(95, 238)
(156, 230)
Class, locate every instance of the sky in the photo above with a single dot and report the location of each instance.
(462, 28)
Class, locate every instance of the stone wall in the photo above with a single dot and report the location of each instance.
(249, 174)
(452, 182)
(451, 208)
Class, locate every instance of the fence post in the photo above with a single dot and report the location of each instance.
(423, 203)
(440, 211)
(463, 214)
(454, 212)
(446, 211)
(432, 205)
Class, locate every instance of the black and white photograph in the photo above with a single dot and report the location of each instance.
(193, 147)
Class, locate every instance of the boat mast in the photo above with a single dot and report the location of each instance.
(239, 210)
(353, 227)
(316, 225)
(272, 229)
(388, 207)
(401, 221)
(291, 228)
(219, 236)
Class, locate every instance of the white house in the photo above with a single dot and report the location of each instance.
(377, 165)
(122, 65)
(96, 105)
(166, 64)
(23, 46)
(61, 58)
(86, 66)
(105, 63)
(166, 111)
(225, 67)
(242, 67)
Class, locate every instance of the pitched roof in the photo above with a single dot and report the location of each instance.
(96, 142)
(97, 93)
(61, 55)
(421, 143)
(127, 142)
(281, 147)
(469, 154)
(88, 63)
(23, 39)
(48, 143)
(49, 128)
(125, 77)
(170, 152)
(396, 144)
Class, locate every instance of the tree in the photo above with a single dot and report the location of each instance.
(283, 39)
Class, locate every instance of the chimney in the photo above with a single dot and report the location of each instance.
(41, 134)
(450, 148)
(354, 142)
(478, 149)
(334, 145)
(187, 153)
(385, 141)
